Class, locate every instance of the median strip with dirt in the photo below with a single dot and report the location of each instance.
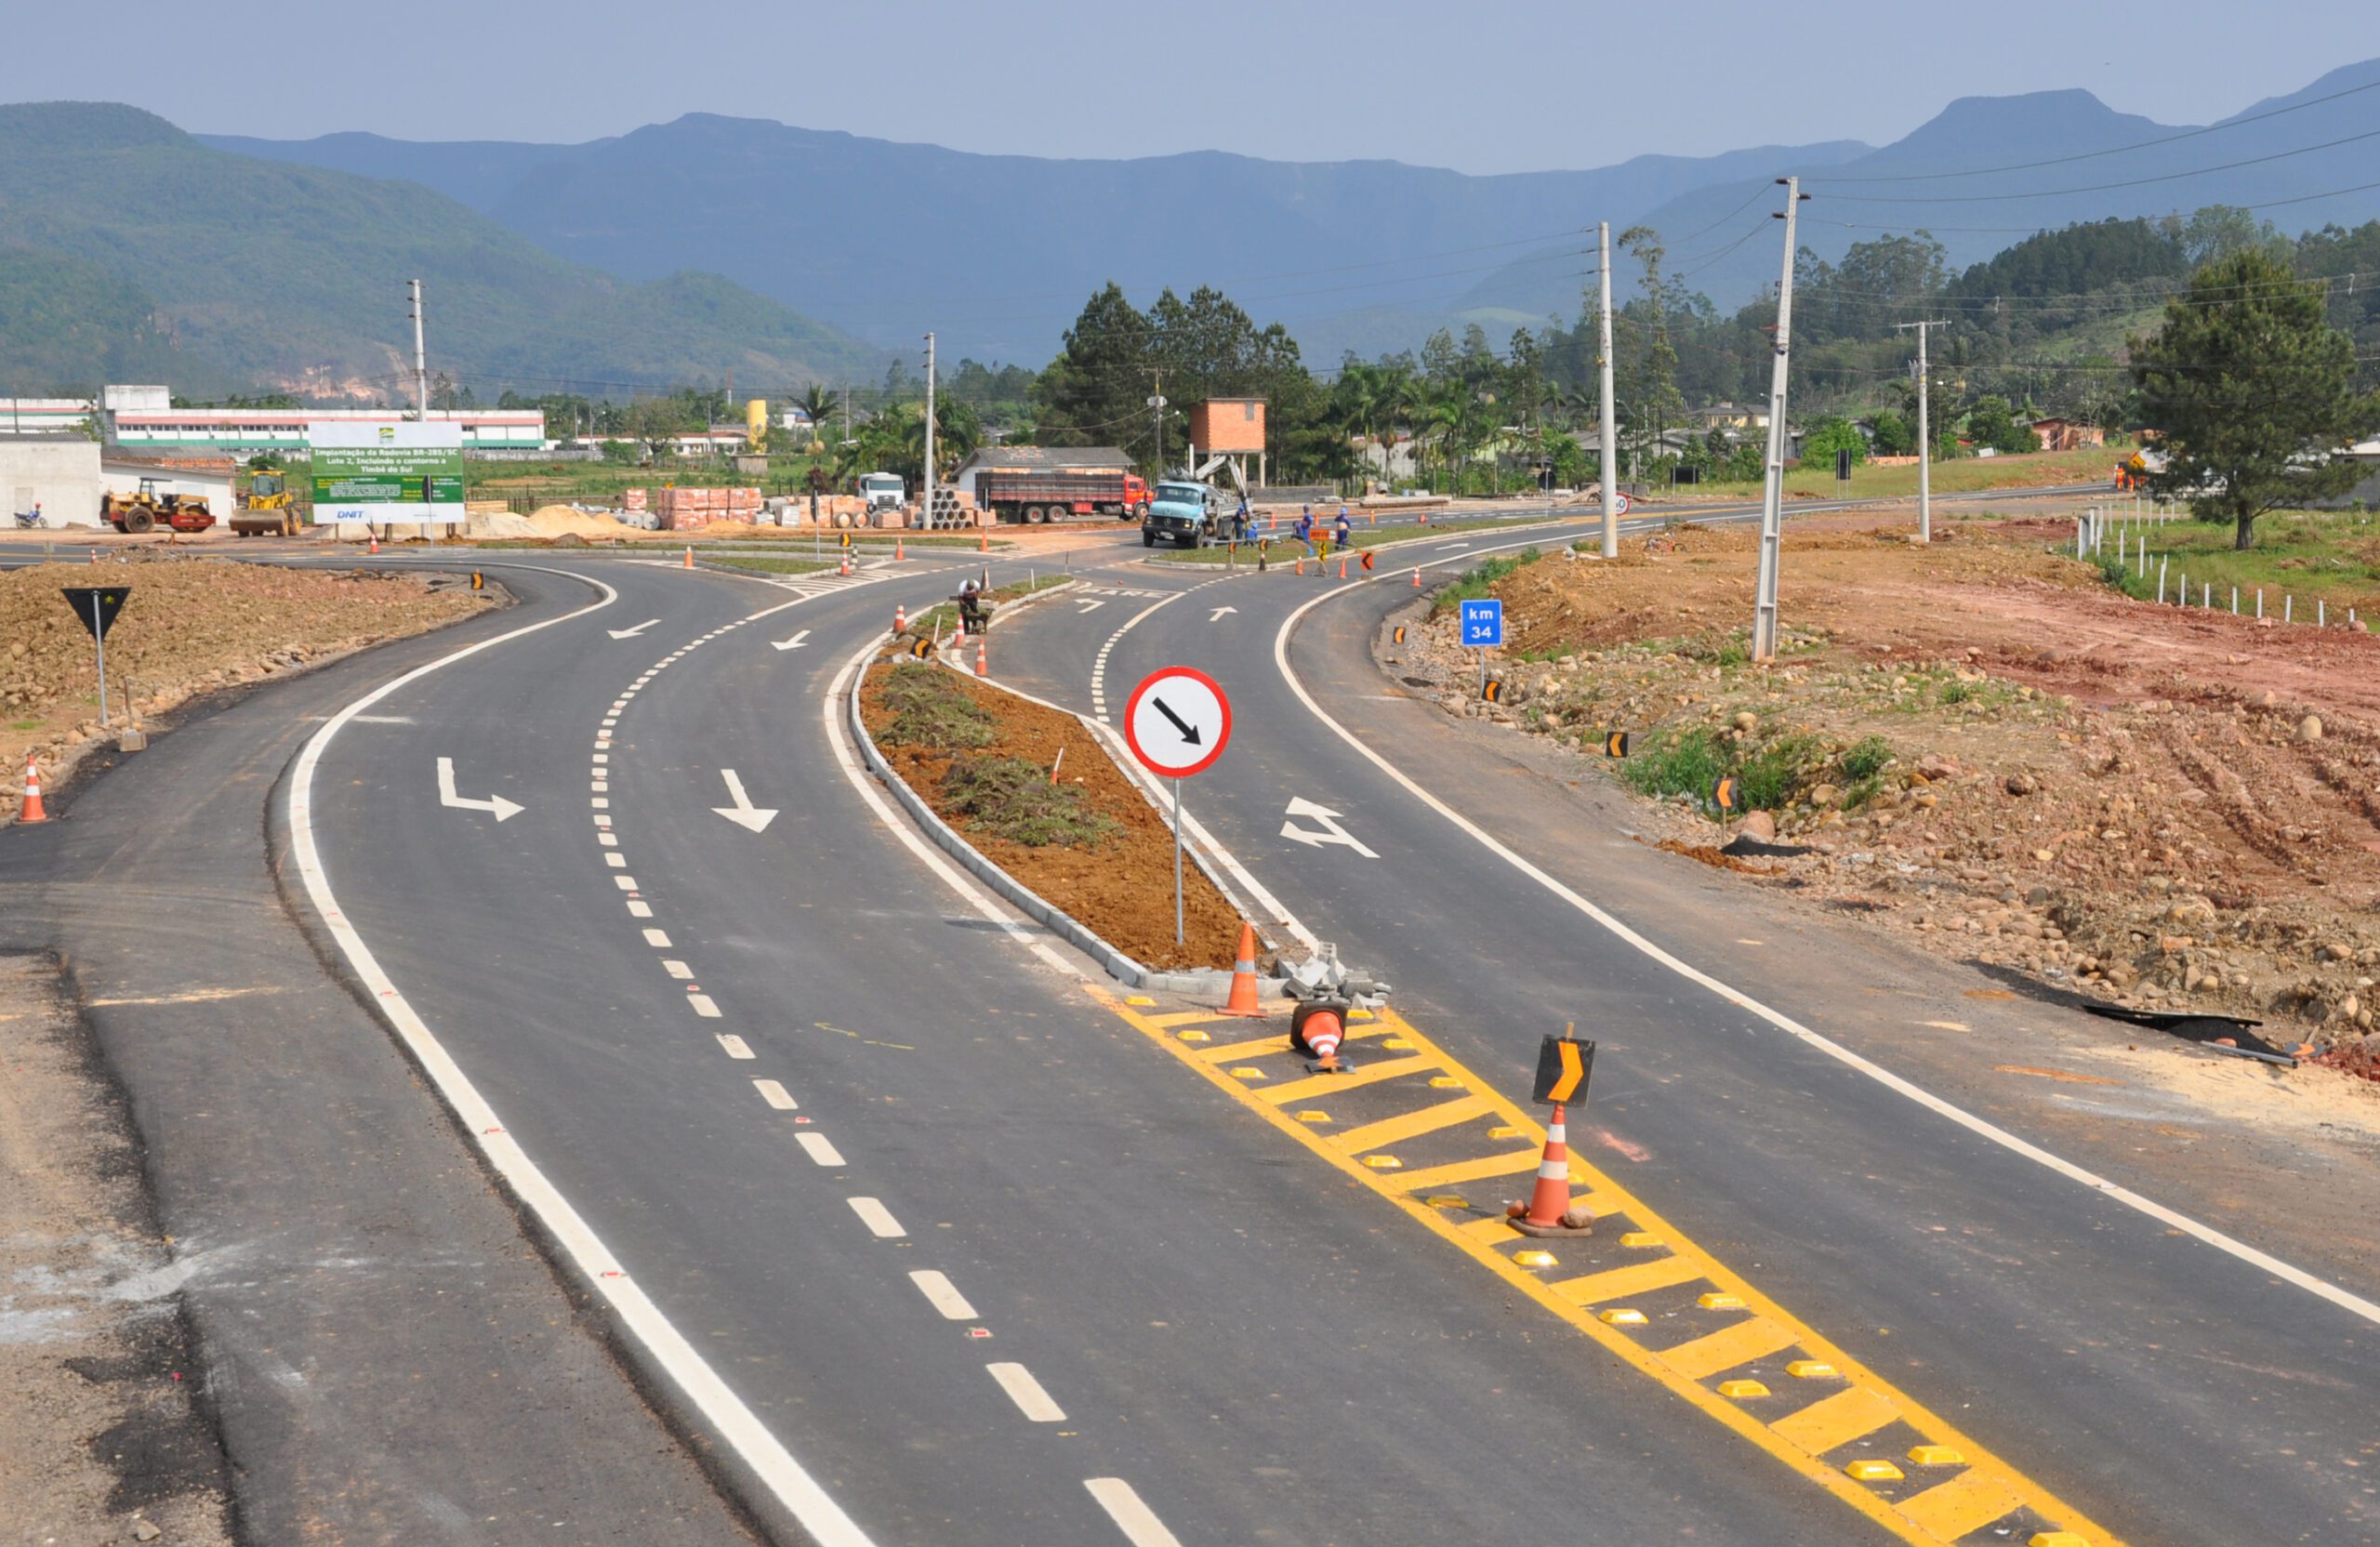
(1086, 842)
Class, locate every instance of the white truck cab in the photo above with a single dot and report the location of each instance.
(884, 491)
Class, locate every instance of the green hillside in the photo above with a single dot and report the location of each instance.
(67, 326)
(295, 277)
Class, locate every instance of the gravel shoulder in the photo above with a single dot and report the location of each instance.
(102, 1437)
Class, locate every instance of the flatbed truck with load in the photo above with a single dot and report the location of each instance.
(1044, 497)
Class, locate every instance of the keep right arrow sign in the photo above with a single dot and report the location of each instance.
(1565, 1065)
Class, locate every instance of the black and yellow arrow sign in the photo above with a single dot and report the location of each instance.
(1564, 1066)
(1400, 634)
(1723, 794)
(1615, 743)
(1493, 691)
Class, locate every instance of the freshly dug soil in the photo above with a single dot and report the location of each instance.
(1123, 889)
(189, 626)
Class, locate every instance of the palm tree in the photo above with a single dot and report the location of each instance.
(818, 402)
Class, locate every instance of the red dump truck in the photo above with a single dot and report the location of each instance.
(1040, 497)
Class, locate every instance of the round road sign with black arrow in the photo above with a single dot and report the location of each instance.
(1177, 722)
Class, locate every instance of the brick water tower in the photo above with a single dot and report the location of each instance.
(1228, 430)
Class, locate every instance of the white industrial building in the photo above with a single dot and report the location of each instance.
(58, 475)
(143, 418)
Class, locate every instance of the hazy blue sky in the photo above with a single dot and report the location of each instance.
(1493, 86)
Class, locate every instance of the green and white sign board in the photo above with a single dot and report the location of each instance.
(404, 473)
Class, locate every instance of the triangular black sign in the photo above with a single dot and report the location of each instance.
(97, 606)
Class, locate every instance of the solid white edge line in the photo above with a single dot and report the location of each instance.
(932, 858)
(941, 1294)
(878, 1217)
(1027, 1392)
(1136, 1520)
(2345, 1300)
(734, 1423)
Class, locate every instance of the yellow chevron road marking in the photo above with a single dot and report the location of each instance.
(1482, 1131)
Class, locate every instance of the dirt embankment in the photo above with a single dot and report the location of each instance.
(1097, 849)
(1986, 748)
(100, 1441)
(188, 626)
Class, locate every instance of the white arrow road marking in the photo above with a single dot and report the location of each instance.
(1089, 604)
(447, 795)
(631, 633)
(1301, 806)
(793, 643)
(1217, 615)
(744, 814)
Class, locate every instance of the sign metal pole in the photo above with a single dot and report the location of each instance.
(99, 642)
(1177, 862)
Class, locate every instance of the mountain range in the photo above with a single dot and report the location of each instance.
(129, 249)
(706, 246)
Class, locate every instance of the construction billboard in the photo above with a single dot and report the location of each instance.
(403, 474)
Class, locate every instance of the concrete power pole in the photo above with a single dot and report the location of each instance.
(1924, 431)
(420, 360)
(1610, 454)
(1156, 412)
(926, 505)
(1772, 500)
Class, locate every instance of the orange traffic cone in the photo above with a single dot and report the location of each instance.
(900, 619)
(1301, 564)
(897, 553)
(1243, 1000)
(376, 540)
(689, 556)
(1343, 566)
(847, 562)
(1417, 578)
(1317, 1031)
(983, 656)
(983, 541)
(32, 811)
(1548, 1210)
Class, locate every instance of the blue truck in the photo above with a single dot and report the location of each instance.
(1182, 514)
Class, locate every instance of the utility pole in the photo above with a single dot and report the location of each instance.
(1156, 412)
(1924, 431)
(1610, 454)
(1772, 500)
(420, 360)
(927, 505)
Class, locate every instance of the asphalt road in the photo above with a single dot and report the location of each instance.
(2173, 1392)
(1253, 1350)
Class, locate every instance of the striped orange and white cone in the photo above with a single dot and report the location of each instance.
(1316, 1030)
(1417, 578)
(32, 811)
(983, 656)
(1244, 997)
(900, 619)
(1548, 1212)
(898, 551)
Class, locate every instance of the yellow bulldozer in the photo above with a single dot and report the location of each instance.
(272, 508)
(146, 509)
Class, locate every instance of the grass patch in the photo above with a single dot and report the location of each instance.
(1960, 475)
(2325, 555)
(1012, 799)
(1769, 776)
(1865, 759)
(1473, 583)
(929, 708)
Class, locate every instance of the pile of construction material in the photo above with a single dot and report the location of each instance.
(680, 509)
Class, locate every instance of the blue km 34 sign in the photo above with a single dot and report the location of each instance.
(1483, 622)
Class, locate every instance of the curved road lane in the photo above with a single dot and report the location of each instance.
(992, 1271)
(2173, 1392)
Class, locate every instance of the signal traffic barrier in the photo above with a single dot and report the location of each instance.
(1243, 1001)
(32, 811)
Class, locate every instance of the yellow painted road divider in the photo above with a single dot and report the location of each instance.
(1639, 1288)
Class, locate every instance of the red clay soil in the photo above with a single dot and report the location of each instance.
(1122, 891)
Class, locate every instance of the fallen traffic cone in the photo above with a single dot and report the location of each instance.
(900, 619)
(983, 657)
(32, 811)
(1243, 1000)
(1316, 1030)
(1548, 1212)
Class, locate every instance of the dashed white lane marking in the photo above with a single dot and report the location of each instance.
(600, 802)
(625, 883)
(2355, 1304)
(615, 861)
(736, 1046)
(603, 756)
(737, 1426)
(1137, 1521)
(657, 939)
(1099, 662)
(607, 839)
(1027, 1392)
(776, 1095)
(599, 788)
(703, 1006)
(640, 910)
(942, 1295)
(878, 1217)
(677, 969)
(820, 1149)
